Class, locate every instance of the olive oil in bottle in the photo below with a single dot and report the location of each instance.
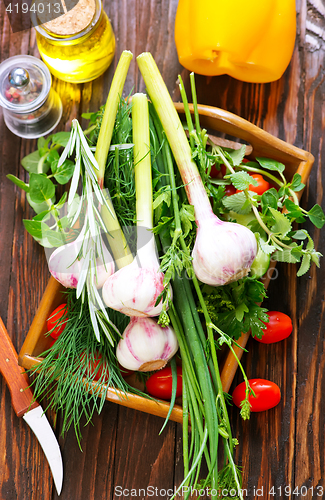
(78, 46)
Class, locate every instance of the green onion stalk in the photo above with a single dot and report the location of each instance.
(183, 313)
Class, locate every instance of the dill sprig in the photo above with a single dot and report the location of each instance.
(76, 371)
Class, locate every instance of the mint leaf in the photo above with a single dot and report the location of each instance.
(269, 199)
(305, 264)
(269, 164)
(266, 246)
(55, 238)
(41, 142)
(285, 256)
(30, 163)
(18, 182)
(41, 188)
(294, 211)
(282, 224)
(236, 155)
(241, 180)
(316, 216)
(64, 172)
(301, 234)
(36, 228)
(62, 200)
(61, 138)
(238, 203)
(296, 183)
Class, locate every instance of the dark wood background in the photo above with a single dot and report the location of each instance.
(283, 447)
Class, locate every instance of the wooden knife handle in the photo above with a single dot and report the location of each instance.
(15, 375)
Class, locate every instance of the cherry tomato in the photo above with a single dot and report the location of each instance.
(230, 190)
(159, 384)
(94, 371)
(267, 394)
(278, 328)
(55, 321)
(215, 173)
(262, 186)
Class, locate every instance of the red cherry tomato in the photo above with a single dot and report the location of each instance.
(55, 321)
(94, 371)
(223, 169)
(159, 384)
(267, 394)
(215, 173)
(230, 190)
(262, 186)
(278, 328)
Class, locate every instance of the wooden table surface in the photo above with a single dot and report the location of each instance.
(122, 451)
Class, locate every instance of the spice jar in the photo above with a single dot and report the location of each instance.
(78, 46)
(31, 107)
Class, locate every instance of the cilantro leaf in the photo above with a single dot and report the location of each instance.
(187, 217)
(163, 195)
(234, 307)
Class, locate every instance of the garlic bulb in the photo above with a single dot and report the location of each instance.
(134, 289)
(223, 251)
(65, 266)
(145, 345)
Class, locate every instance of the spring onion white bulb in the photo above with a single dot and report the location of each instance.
(145, 345)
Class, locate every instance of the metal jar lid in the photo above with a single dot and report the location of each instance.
(25, 83)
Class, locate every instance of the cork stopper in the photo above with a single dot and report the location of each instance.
(72, 22)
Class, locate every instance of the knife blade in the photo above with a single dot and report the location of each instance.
(25, 406)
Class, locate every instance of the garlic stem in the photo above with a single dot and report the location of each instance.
(113, 99)
(143, 178)
(176, 135)
(115, 235)
(134, 290)
(142, 162)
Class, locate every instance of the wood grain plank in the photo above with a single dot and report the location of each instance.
(283, 447)
(144, 459)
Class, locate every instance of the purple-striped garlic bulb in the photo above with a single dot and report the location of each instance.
(146, 346)
(65, 263)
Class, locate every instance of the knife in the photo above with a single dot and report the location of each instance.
(25, 406)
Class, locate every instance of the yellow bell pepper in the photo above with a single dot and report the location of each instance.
(251, 40)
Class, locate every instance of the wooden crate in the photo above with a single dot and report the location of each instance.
(259, 144)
